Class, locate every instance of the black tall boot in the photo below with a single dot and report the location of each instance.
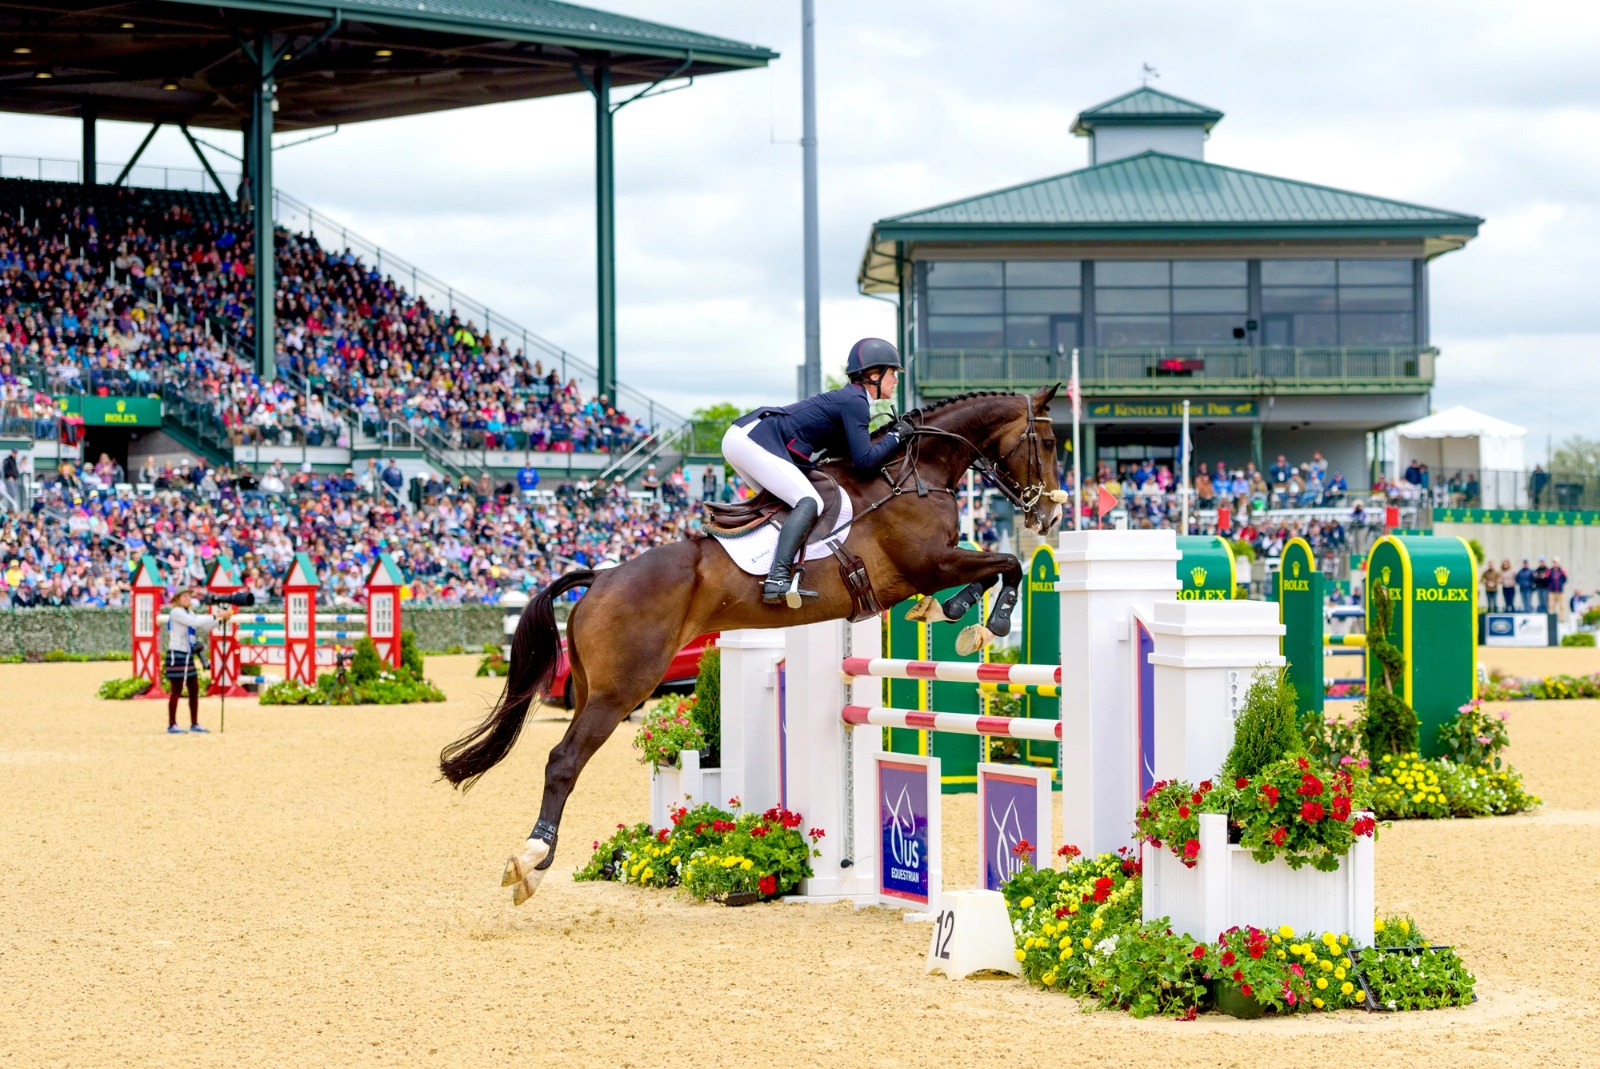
(782, 581)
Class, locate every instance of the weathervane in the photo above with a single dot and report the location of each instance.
(1146, 73)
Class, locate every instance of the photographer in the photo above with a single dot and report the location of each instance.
(185, 656)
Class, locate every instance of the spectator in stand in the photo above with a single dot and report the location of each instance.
(393, 477)
(651, 483)
(1541, 585)
(11, 474)
(527, 480)
(1491, 586)
(1413, 474)
(708, 483)
(1205, 495)
(1525, 586)
(1556, 582)
(1508, 586)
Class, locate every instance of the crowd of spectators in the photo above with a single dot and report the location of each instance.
(156, 297)
(78, 542)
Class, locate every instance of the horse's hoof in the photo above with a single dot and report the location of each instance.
(526, 886)
(520, 865)
(926, 611)
(972, 639)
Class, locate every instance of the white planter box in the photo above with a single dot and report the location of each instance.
(1228, 888)
(686, 785)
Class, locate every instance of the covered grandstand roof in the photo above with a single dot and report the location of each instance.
(1145, 105)
(186, 61)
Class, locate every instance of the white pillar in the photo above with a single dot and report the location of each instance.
(830, 784)
(1105, 577)
(749, 742)
(1206, 653)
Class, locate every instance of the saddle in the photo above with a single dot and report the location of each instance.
(742, 517)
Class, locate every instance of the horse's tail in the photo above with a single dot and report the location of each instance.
(535, 652)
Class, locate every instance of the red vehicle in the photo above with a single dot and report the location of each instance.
(681, 672)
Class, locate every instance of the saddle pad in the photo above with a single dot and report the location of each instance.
(752, 552)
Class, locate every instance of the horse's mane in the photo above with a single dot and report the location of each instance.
(946, 402)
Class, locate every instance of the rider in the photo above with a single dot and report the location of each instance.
(767, 447)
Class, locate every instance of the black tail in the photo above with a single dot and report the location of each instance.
(535, 651)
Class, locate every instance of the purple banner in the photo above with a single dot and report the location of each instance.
(1010, 815)
(1146, 707)
(903, 818)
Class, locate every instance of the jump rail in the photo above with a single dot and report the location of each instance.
(953, 671)
(1010, 727)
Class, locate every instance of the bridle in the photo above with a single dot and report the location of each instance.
(1024, 495)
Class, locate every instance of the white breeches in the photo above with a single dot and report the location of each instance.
(762, 470)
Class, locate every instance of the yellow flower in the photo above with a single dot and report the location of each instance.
(1405, 927)
(1087, 942)
(1277, 939)
(1026, 903)
(1378, 925)
(746, 865)
(1067, 954)
(649, 873)
(1066, 942)
(1346, 987)
(1322, 984)
(1096, 924)
(1048, 979)
(1317, 1002)
(1286, 931)
(1325, 965)
(1282, 955)
(1344, 940)
(1338, 974)
(1020, 955)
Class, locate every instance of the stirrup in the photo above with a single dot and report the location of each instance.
(773, 593)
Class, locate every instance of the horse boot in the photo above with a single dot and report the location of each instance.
(783, 580)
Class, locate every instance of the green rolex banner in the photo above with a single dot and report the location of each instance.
(1300, 611)
(1206, 568)
(1433, 584)
(1041, 644)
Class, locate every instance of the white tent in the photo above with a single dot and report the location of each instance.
(1459, 440)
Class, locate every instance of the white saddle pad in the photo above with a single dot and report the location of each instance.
(753, 552)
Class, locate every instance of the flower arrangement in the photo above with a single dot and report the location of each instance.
(1408, 786)
(668, 729)
(712, 853)
(1170, 812)
(1304, 813)
(493, 661)
(1405, 972)
(1316, 973)
(122, 688)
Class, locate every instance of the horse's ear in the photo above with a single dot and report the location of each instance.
(1043, 396)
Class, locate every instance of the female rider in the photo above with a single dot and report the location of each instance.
(768, 446)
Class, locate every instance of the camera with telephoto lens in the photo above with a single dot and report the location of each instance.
(243, 599)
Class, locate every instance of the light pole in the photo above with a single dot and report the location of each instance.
(811, 376)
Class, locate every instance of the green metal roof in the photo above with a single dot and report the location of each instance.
(1157, 197)
(1145, 105)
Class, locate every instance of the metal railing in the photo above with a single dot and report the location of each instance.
(1454, 488)
(142, 175)
(1012, 368)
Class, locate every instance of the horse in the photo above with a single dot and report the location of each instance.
(623, 634)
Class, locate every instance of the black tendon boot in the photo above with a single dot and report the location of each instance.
(783, 581)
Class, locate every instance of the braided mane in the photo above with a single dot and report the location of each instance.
(946, 402)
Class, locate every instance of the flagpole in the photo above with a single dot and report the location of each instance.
(1077, 451)
(1183, 487)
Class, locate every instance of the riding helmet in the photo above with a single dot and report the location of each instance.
(869, 353)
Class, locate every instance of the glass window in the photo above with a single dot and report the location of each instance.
(1298, 298)
(965, 302)
(1377, 329)
(1060, 301)
(1132, 273)
(1027, 332)
(1297, 272)
(1316, 330)
(1210, 273)
(1374, 298)
(1375, 273)
(1217, 300)
(1119, 331)
(1044, 273)
(1206, 330)
(1113, 301)
(966, 332)
(964, 274)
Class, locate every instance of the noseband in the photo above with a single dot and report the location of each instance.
(1024, 495)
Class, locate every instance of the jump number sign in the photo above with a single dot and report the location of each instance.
(944, 926)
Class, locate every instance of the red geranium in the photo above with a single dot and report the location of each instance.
(1183, 811)
(769, 884)
(1246, 991)
(1228, 958)
(1364, 825)
(1279, 836)
(1199, 951)
(1341, 808)
(1269, 795)
(1241, 783)
(1068, 851)
(1310, 786)
(1311, 812)
(1191, 850)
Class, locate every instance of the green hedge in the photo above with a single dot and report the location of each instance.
(97, 631)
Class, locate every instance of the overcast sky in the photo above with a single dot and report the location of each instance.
(1486, 108)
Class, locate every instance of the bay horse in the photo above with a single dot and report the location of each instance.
(623, 634)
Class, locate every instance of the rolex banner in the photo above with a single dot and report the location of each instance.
(1433, 584)
(1300, 611)
(1206, 568)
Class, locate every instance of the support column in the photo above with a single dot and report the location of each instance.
(605, 237)
(1255, 445)
(1088, 459)
(260, 170)
(90, 159)
(812, 378)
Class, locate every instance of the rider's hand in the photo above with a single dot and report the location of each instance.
(900, 428)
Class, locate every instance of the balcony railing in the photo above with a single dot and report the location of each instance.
(943, 369)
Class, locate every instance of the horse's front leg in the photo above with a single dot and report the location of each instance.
(973, 571)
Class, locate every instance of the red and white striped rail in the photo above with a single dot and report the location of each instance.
(954, 671)
(1010, 727)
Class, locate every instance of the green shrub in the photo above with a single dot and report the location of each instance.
(1266, 730)
(388, 689)
(1242, 550)
(411, 657)
(58, 655)
(1387, 724)
(707, 712)
(494, 662)
(1591, 617)
(122, 688)
(366, 664)
(1582, 638)
(1478, 556)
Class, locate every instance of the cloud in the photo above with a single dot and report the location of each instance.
(1480, 107)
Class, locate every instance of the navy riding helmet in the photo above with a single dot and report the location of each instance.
(869, 353)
